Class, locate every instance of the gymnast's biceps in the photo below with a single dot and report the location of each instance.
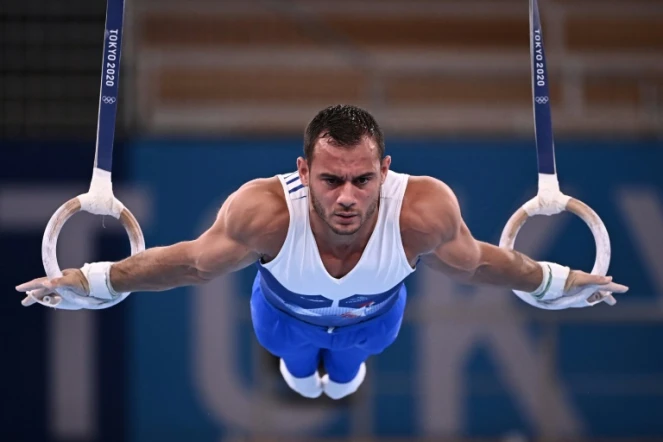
(222, 248)
(459, 255)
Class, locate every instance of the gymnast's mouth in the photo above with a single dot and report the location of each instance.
(346, 216)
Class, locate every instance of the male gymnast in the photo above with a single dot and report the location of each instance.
(333, 243)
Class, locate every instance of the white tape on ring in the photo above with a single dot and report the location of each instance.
(549, 200)
(100, 200)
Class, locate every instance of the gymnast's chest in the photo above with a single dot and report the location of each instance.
(339, 267)
(331, 277)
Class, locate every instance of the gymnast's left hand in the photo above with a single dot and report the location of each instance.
(578, 281)
(565, 288)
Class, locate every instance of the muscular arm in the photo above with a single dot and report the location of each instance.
(446, 244)
(248, 225)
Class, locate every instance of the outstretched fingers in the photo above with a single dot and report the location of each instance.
(35, 284)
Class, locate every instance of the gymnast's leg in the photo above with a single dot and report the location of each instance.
(276, 333)
(345, 361)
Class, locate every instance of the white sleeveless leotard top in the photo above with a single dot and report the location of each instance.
(296, 280)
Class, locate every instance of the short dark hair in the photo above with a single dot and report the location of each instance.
(346, 125)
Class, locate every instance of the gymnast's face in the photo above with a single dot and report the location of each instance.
(344, 183)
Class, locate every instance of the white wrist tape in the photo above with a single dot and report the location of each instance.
(98, 277)
(542, 289)
(552, 286)
(558, 276)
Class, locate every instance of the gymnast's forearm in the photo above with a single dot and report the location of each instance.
(506, 268)
(156, 269)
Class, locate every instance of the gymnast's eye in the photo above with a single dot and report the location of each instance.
(331, 181)
(362, 180)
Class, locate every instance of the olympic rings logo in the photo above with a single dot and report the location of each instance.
(108, 100)
(541, 100)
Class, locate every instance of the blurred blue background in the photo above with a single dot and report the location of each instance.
(217, 93)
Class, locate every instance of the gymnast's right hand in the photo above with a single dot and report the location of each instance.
(84, 288)
(40, 288)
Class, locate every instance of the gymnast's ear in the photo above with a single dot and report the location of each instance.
(384, 167)
(303, 169)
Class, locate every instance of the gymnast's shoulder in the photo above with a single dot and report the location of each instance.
(430, 213)
(256, 210)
